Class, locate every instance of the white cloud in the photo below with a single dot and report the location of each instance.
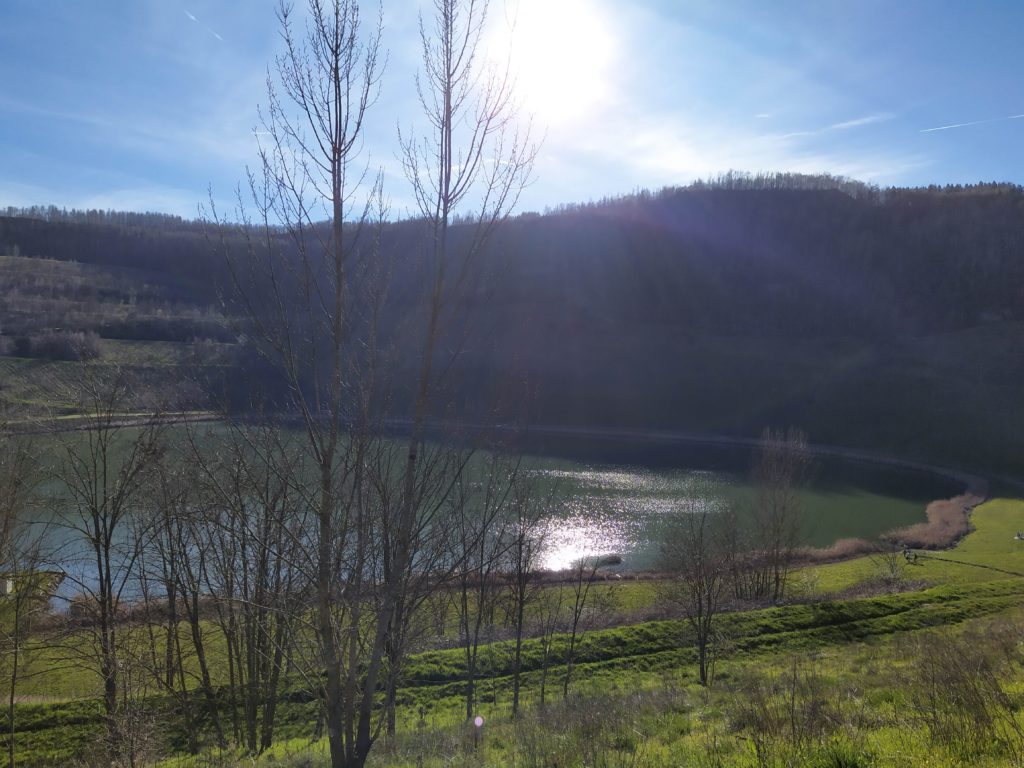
(861, 121)
(841, 126)
(668, 149)
(180, 202)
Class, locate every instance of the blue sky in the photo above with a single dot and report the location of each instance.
(146, 104)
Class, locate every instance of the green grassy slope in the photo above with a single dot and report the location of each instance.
(987, 553)
(633, 657)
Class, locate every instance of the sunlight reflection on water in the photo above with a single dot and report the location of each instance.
(617, 511)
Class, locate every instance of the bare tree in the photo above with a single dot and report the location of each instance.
(473, 158)
(296, 285)
(224, 532)
(30, 587)
(781, 467)
(473, 162)
(313, 294)
(889, 563)
(424, 581)
(253, 515)
(480, 542)
(17, 461)
(25, 585)
(529, 508)
(549, 608)
(697, 552)
(181, 549)
(165, 656)
(582, 580)
(101, 470)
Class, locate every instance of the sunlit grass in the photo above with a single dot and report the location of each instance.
(989, 552)
(652, 718)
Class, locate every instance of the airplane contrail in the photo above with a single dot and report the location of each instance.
(204, 26)
(973, 122)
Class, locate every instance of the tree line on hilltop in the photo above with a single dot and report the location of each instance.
(601, 313)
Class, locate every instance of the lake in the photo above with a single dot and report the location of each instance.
(617, 494)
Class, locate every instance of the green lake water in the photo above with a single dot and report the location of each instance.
(621, 508)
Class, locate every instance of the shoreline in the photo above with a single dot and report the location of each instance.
(947, 520)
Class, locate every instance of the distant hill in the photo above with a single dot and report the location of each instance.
(885, 319)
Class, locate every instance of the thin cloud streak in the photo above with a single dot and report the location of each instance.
(845, 125)
(193, 18)
(858, 122)
(973, 122)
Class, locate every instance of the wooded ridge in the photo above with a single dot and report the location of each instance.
(887, 319)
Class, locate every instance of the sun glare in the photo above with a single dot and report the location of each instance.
(561, 53)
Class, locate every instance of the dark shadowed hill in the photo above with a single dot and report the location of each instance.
(885, 319)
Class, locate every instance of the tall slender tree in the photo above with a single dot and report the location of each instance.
(529, 507)
(296, 284)
(21, 558)
(781, 467)
(480, 528)
(697, 553)
(312, 292)
(474, 160)
(101, 468)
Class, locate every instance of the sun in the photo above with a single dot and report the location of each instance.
(561, 54)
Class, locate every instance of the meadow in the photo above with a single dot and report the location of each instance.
(827, 681)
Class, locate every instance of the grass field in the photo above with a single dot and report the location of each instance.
(635, 701)
(989, 552)
(843, 676)
(830, 639)
(35, 388)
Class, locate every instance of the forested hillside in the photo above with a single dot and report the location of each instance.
(886, 319)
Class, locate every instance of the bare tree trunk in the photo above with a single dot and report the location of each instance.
(583, 577)
(782, 464)
(446, 167)
(20, 558)
(206, 681)
(550, 620)
(697, 551)
(101, 469)
(529, 509)
(302, 309)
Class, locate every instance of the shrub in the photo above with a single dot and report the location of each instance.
(789, 716)
(956, 687)
(59, 345)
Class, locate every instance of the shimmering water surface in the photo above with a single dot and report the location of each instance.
(623, 510)
(614, 498)
(614, 511)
